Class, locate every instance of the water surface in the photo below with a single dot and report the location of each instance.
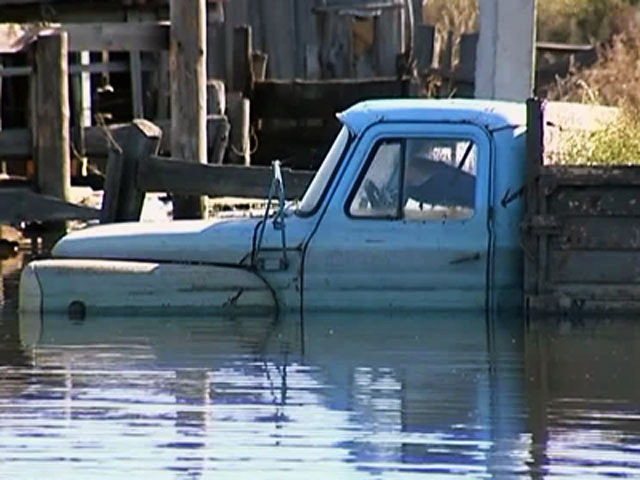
(325, 396)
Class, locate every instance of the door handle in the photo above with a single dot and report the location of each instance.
(466, 258)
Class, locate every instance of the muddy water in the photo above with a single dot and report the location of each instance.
(326, 396)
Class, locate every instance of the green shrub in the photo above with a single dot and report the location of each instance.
(616, 143)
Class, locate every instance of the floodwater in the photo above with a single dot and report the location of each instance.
(393, 396)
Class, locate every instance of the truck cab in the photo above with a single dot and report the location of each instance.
(417, 206)
(420, 209)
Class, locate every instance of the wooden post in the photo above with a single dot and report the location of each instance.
(123, 199)
(164, 86)
(242, 65)
(3, 165)
(424, 41)
(81, 99)
(188, 93)
(531, 243)
(218, 131)
(217, 123)
(136, 84)
(216, 97)
(51, 129)
(259, 65)
(239, 117)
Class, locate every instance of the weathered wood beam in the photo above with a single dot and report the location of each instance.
(110, 67)
(15, 143)
(157, 174)
(23, 205)
(95, 37)
(188, 44)
(51, 129)
(123, 198)
(322, 98)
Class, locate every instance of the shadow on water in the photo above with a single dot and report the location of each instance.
(583, 393)
(348, 396)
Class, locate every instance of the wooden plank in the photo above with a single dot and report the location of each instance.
(20, 71)
(389, 40)
(52, 116)
(242, 75)
(335, 49)
(22, 205)
(137, 94)
(100, 67)
(188, 93)
(238, 111)
(531, 242)
(143, 36)
(597, 233)
(15, 143)
(606, 200)
(77, 115)
(306, 36)
(123, 198)
(218, 135)
(320, 99)
(593, 267)
(216, 51)
(468, 47)
(424, 43)
(280, 39)
(554, 177)
(158, 174)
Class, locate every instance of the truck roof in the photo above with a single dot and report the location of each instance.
(489, 114)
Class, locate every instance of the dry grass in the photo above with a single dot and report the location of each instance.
(614, 80)
(582, 21)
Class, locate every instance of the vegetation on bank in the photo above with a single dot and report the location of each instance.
(614, 80)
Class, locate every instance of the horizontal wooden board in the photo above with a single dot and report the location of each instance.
(597, 233)
(144, 36)
(555, 176)
(20, 205)
(618, 200)
(593, 267)
(15, 143)
(159, 174)
(320, 98)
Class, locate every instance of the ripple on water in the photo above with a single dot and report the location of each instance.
(350, 396)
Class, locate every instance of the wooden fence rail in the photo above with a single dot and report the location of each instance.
(136, 169)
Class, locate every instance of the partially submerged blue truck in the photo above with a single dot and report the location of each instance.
(419, 204)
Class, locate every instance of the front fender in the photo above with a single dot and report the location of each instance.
(139, 288)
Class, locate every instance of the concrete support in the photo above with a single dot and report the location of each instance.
(506, 53)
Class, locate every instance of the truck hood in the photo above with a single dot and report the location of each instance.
(218, 241)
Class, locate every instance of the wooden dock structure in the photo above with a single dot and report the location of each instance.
(262, 77)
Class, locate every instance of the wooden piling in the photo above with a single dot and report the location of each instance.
(123, 198)
(188, 93)
(238, 111)
(81, 106)
(51, 129)
(242, 60)
(137, 98)
(3, 165)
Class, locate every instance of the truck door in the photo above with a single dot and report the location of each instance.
(406, 224)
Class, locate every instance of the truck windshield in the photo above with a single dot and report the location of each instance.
(321, 180)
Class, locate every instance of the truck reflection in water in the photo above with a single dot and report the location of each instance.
(327, 395)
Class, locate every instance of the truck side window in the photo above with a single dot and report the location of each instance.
(378, 194)
(440, 179)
